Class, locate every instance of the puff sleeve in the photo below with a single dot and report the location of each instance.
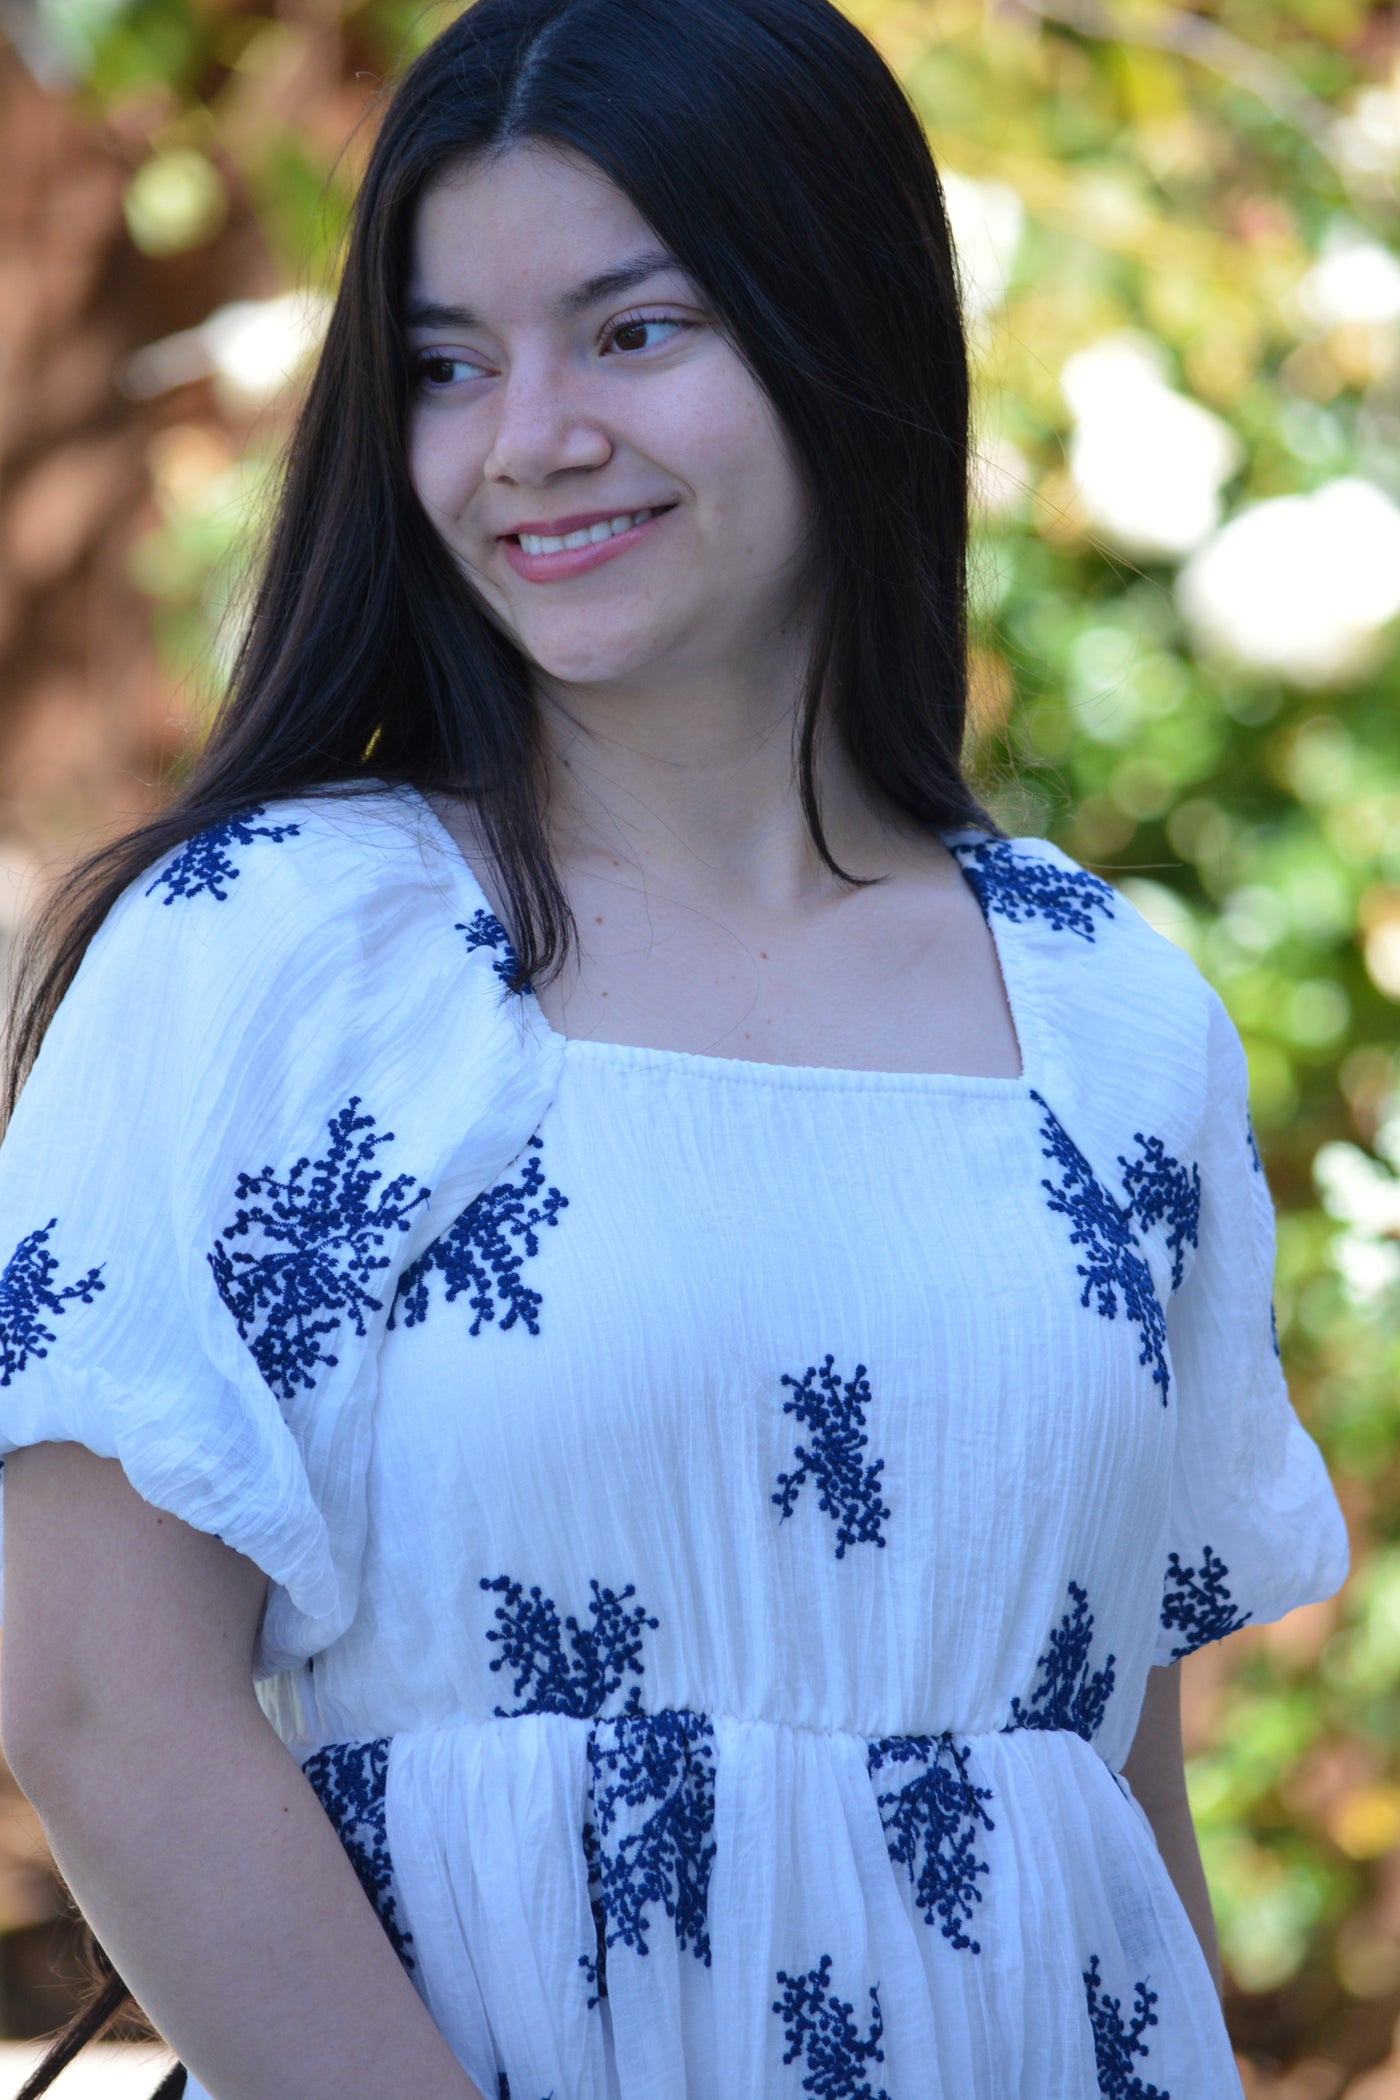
(1253, 1528)
(280, 1071)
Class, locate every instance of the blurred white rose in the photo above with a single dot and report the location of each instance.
(987, 219)
(1366, 137)
(1363, 1194)
(1000, 478)
(258, 346)
(1353, 280)
(1300, 585)
(1147, 462)
(252, 350)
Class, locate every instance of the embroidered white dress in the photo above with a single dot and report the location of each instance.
(720, 1517)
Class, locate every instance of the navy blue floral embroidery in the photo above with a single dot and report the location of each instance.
(1273, 1332)
(1253, 1144)
(579, 1683)
(484, 930)
(1067, 1694)
(204, 863)
(652, 1795)
(349, 1779)
(819, 2028)
(834, 1412)
(1115, 2045)
(1197, 1603)
(1160, 1190)
(595, 1965)
(28, 1298)
(317, 1235)
(931, 1825)
(476, 1253)
(1021, 887)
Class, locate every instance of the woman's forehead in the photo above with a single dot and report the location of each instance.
(535, 221)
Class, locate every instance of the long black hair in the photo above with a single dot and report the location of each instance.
(779, 162)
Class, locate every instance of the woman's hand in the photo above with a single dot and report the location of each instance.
(185, 1829)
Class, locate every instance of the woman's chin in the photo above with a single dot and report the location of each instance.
(574, 660)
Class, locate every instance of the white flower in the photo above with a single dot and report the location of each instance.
(1354, 280)
(1300, 585)
(1364, 1196)
(252, 349)
(1366, 138)
(1000, 478)
(1147, 462)
(257, 346)
(986, 220)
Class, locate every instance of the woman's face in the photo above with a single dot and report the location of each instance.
(568, 381)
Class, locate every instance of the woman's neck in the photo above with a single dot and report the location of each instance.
(693, 795)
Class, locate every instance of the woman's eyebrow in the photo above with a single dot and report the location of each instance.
(625, 277)
(608, 284)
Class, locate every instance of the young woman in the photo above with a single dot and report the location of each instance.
(696, 1318)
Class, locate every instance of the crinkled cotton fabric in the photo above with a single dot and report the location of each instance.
(719, 1516)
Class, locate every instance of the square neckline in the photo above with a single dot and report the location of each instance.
(751, 1071)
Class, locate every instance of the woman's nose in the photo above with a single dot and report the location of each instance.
(543, 427)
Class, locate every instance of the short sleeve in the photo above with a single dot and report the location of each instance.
(1254, 1528)
(263, 1095)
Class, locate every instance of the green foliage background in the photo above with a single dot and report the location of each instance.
(1179, 172)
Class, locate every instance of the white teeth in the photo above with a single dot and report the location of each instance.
(587, 536)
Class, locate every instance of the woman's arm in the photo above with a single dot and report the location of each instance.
(195, 1846)
(1155, 1770)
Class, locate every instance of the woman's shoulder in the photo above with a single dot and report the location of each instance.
(310, 979)
(277, 884)
(1118, 1018)
(1075, 921)
(287, 926)
(318, 854)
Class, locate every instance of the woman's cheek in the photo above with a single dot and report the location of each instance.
(441, 478)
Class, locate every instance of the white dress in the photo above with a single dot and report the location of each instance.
(720, 1516)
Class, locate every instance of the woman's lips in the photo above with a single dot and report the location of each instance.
(573, 561)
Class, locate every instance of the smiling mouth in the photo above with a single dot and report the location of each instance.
(586, 535)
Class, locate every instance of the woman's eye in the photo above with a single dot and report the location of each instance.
(435, 369)
(636, 333)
